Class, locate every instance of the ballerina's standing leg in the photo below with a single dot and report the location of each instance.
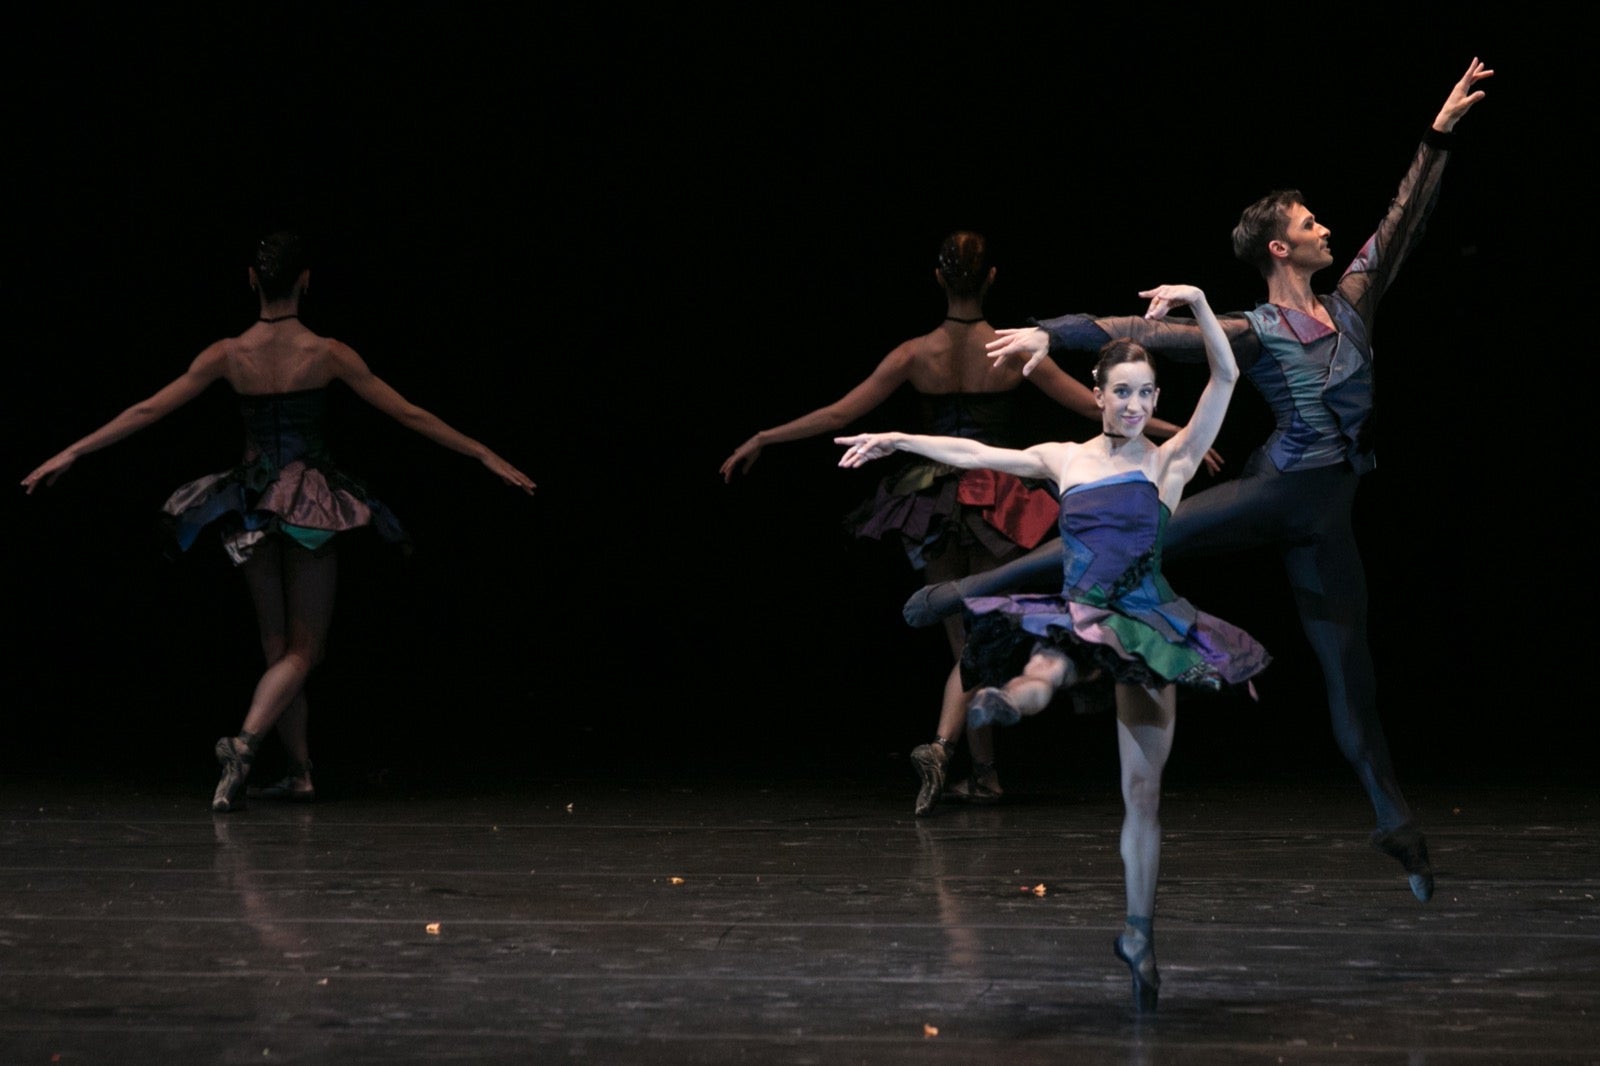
(293, 592)
(1146, 719)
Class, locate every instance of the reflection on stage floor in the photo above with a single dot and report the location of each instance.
(802, 918)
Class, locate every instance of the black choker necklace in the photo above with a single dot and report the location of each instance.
(1113, 436)
(963, 321)
(279, 318)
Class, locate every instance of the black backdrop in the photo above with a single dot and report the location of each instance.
(612, 247)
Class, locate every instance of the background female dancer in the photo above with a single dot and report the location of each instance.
(1116, 611)
(280, 508)
(952, 523)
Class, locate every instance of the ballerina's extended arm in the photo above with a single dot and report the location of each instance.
(353, 371)
(206, 369)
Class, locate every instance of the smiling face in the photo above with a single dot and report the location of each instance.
(1127, 399)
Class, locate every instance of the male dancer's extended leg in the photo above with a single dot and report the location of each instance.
(1037, 571)
(1308, 514)
(1330, 591)
(1232, 515)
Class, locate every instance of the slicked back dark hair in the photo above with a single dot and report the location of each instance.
(280, 257)
(964, 262)
(1263, 222)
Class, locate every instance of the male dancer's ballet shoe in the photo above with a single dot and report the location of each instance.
(991, 706)
(1407, 844)
(283, 790)
(982, 788)
(230, 794)
(931, 761)
(1138, 950)
(931, 604)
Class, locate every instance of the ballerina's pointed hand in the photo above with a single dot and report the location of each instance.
(1163, 298)
(863, 449)
(47, 473)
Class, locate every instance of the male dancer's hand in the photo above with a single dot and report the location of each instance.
(1031, 343)
(1462, 96)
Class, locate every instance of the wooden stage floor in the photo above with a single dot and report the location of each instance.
(798, 917)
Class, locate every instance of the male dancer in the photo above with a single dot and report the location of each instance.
(1311, 358)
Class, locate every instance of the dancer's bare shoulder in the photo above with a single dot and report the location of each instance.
(955, 359)
(283, 361)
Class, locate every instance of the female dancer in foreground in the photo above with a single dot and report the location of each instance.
(1116, 611)
(951, 523)
(279, 509)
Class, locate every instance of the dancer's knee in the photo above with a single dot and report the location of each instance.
(1141, 795)
(273, 647)
(308, 650)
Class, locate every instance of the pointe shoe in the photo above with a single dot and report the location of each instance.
(931, 761)
(230, 794)
(991, 706)
(932, 604)
(1139, 953)
(283, 790)
(1407, 844)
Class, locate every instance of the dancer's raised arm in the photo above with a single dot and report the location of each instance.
(1186, 450)
(1463, 94)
